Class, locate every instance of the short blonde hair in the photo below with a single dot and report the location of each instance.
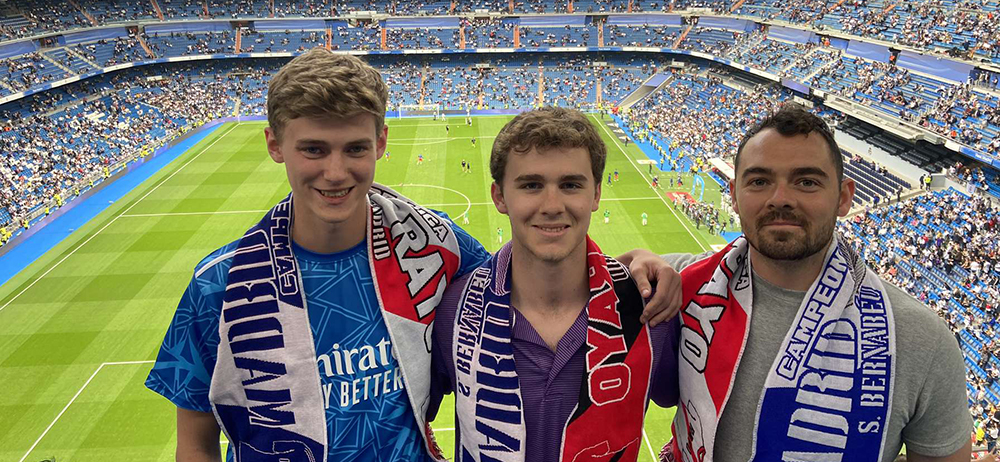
(323, 84)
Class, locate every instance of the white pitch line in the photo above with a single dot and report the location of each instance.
(449, 204)
(77, 395)
(648, 445)
(443, 139)
(188, 214)
(123, 363)
(5, 305)
(622, 149)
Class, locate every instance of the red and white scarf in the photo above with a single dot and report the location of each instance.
(606, 424)
(828, 393)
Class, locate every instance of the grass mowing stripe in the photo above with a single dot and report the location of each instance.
(637, 169)
(77, 395)
(157, 186)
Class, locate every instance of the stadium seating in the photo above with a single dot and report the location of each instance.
(60, 139)
(489, 33)
(958, 278)
(399, 39)
(645, 36)
(568, 36)
(294, 41)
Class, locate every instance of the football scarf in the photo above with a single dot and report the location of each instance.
(828, 393)
(606, 424)
(265, 390)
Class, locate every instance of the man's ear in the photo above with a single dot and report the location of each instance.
(597, 197)
(497, 194)
(732, 196)
(847, 188)
(273, 145)
(381, 142)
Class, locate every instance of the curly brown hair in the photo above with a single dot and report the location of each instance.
(544, 128)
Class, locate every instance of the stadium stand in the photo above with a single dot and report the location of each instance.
(398, 38)
(641, 36)
(489, 33)
(940, 247)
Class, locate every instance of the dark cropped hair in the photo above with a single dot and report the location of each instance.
(793, 119)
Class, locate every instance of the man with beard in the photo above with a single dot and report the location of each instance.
(791, 349)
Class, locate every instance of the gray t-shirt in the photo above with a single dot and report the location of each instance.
(930, 409)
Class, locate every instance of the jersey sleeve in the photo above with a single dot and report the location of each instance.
(473, 253)
(184, 365)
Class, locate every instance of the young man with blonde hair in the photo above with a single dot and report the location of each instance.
(304, 339)
(309, 338)
(543, 345)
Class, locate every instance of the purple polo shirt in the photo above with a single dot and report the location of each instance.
(550, 380)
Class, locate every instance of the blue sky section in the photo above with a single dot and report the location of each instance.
(50, 232)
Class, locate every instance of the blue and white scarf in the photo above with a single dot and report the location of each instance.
(828, 393)
(265, 389)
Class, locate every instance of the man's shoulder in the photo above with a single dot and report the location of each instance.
(679, 261)
(448, 305)
(212, 271)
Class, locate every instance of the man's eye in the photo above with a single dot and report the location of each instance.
(809, 183)
(757, 182)
(531, 186)
(312, 150)
(572, 185)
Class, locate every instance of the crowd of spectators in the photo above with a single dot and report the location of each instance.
(964, 26)
(47, 154)
(566, 36)
(26, 71)
(258, 42)
(58, 137)
(698, 115)
(422, 38)
(944, 249)
(640, 36)
(488, 33)
(124, 49)
(190, 43)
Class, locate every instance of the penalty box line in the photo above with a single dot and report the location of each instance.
(77, 395)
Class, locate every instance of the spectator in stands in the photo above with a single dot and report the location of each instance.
(52, 155)
(788, 190)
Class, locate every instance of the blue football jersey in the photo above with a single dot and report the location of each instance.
(368, 414)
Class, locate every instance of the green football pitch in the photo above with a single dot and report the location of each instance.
(80, 327)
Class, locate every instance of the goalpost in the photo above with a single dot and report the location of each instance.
(418, 110)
